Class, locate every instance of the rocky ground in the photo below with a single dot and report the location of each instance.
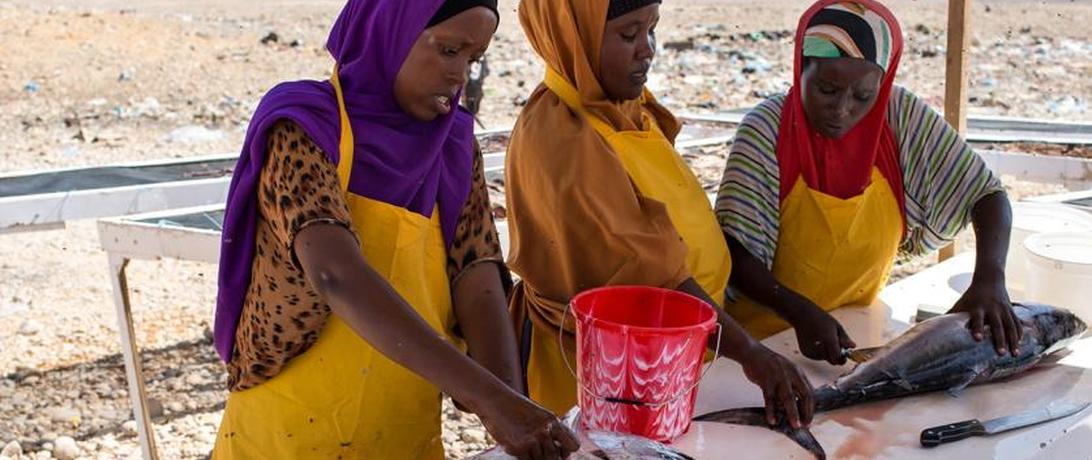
(89, 82)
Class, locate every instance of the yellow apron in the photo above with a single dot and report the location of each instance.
(659, 173)
(836, 252)
(341, 398)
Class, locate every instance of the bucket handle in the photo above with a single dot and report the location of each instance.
(613, 399)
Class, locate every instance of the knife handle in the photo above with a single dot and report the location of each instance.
(937, 435)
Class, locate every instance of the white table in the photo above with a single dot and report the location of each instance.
(152, 236)
(890, 429)
(140, 187)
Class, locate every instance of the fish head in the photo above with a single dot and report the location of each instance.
(1055, 328)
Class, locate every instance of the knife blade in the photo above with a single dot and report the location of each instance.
(935, 436)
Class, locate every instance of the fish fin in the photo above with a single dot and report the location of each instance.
(860, 355)
(902, 383)
(756, 416)
(968, 379)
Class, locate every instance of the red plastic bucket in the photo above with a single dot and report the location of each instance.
(639, 352)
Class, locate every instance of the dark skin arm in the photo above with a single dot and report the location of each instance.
(482, 313)
(987, 299)
(819, 335)
(331, 260)
(785, 389)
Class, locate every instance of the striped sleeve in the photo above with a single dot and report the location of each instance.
(943, 178)
(747, 201)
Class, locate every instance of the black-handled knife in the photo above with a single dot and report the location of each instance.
(937, 435)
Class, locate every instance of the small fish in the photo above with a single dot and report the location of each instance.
(936, 354)
(603, 445)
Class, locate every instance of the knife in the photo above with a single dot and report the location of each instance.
(935, 436)
(860, 355)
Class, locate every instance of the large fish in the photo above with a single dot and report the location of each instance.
(603, 445)
(936, 354)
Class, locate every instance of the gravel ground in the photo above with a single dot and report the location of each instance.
(93, 82)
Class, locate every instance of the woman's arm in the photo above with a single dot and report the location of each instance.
(482, 313)
(987, 299)
(819, 335)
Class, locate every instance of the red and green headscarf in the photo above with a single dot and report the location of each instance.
(862, 29)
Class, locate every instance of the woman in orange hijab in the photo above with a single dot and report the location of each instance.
(597, 195)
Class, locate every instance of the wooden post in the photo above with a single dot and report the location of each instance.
(955, 84)
(134, 370)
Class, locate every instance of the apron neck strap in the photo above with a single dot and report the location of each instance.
(346, 145)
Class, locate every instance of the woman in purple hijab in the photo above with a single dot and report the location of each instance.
(360, 272)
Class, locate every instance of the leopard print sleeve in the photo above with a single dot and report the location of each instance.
(475, 240)
(299, 186)
(282, 314)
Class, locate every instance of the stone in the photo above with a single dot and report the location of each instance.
(473, 435)
(65, 415)
(129, 427)
(155, 407)
(12, 450)
(65, 448)
(194, 379)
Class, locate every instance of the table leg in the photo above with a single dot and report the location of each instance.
(133, 369)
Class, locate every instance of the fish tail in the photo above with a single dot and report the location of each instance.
(756, 416)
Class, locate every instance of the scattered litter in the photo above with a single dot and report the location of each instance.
(30, 327)
(682, 45)
(193, 134)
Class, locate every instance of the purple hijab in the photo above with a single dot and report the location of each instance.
(398, 160)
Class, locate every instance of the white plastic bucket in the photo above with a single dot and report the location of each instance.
(1033, 218)
(1060, 271)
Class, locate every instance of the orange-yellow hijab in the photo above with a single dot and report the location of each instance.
(576, 219)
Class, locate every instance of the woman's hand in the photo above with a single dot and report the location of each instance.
(525, 430)
(785, 389)
(988, 304)
(820, 336)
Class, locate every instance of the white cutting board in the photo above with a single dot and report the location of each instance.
(890, 429)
